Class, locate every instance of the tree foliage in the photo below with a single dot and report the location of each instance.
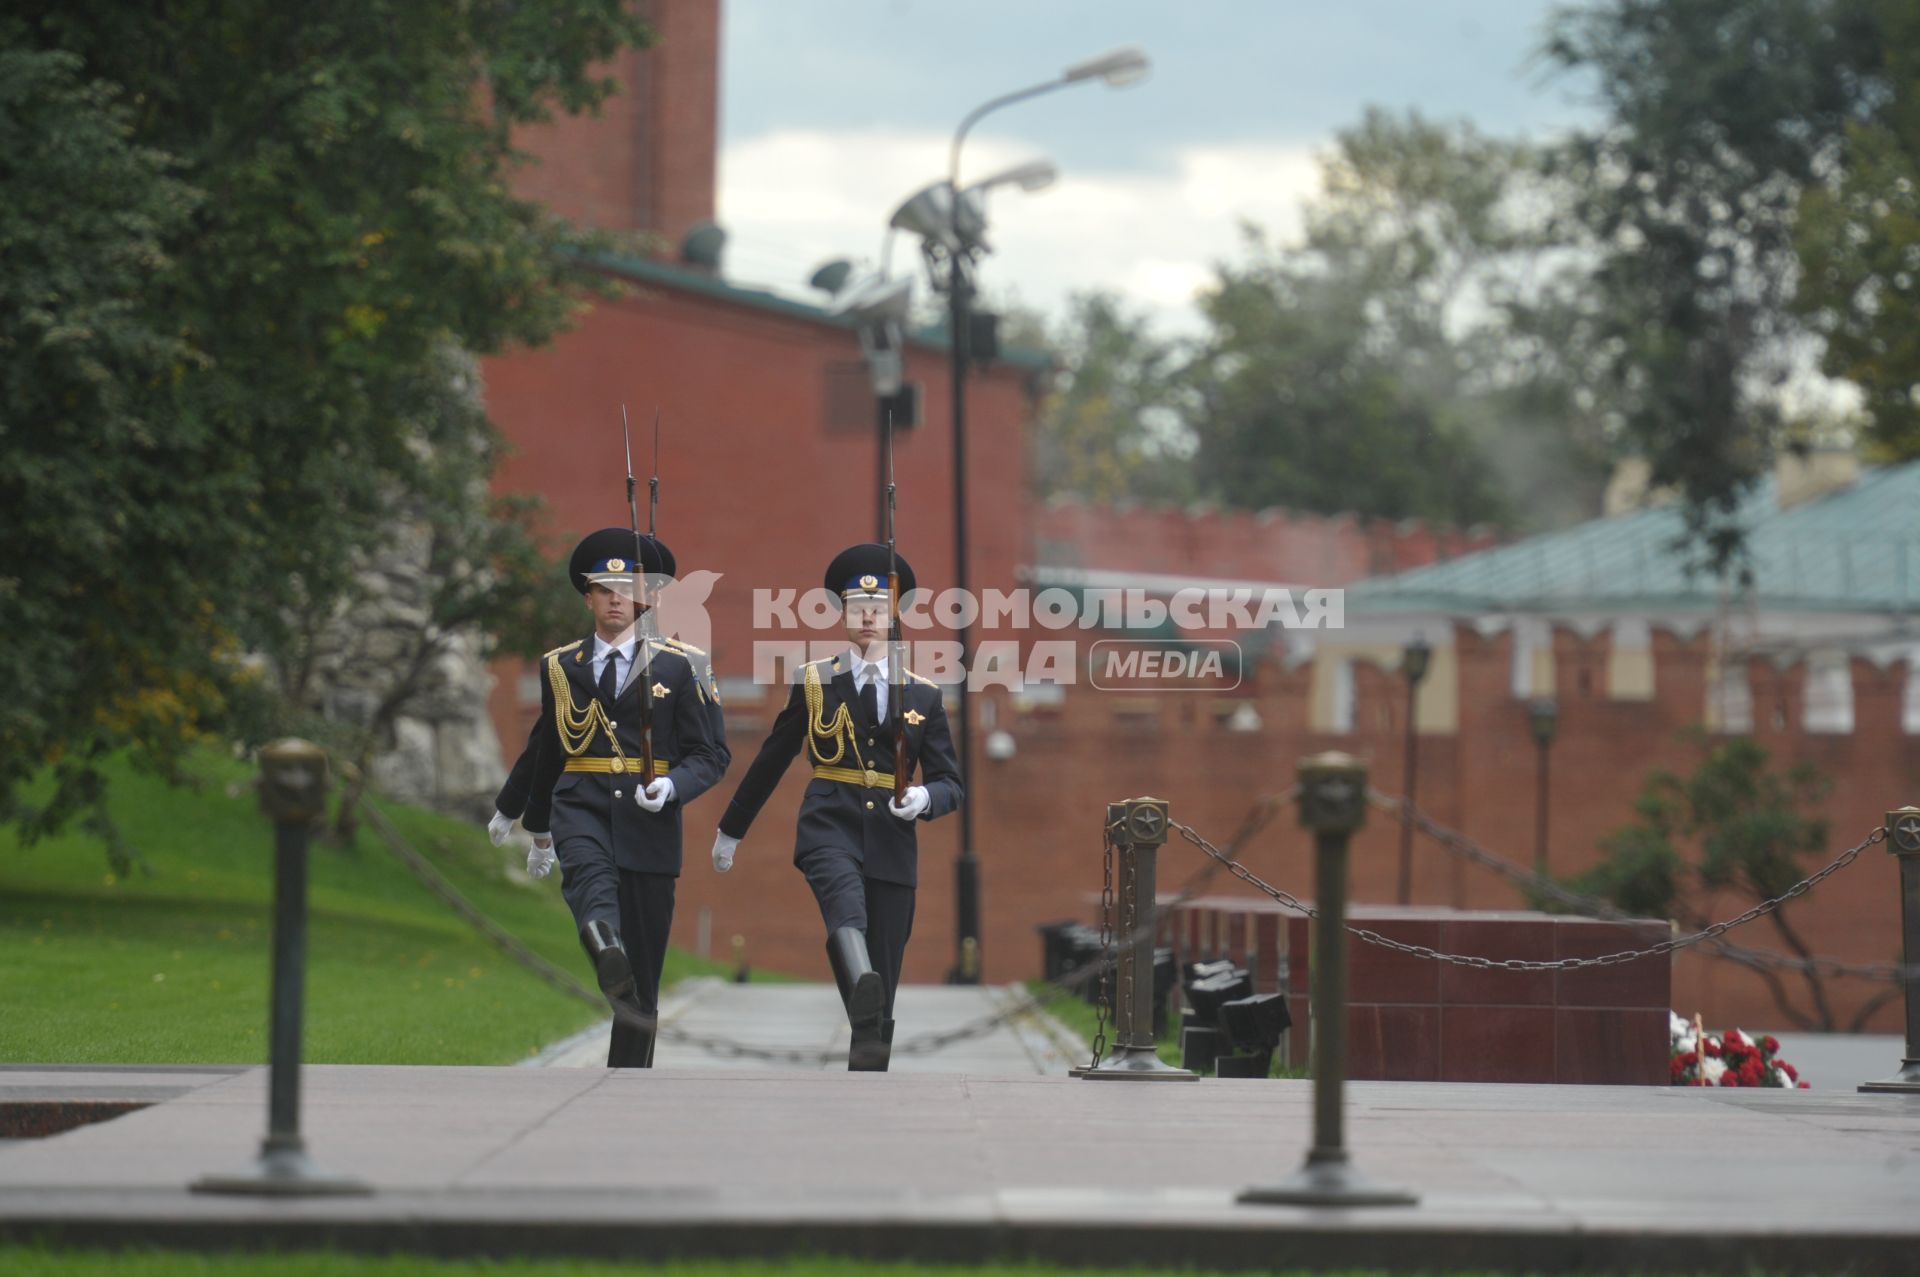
(1859, 241)
(1719, 118)
(1108, 431)
(240, 239)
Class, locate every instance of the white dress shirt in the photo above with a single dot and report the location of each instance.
(603, 652)
(865, 671)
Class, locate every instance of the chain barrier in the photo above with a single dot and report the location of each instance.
(1288, 900)
(1102, 1007)
(1528, 880)
(1024, 1004)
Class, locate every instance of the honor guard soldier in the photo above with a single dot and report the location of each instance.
(855, 841)
(609, 703)
(511, 801)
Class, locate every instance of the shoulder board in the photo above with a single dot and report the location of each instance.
(921, 678)
(565, 647)
(674, 644)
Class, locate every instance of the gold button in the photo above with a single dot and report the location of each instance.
(869, 806)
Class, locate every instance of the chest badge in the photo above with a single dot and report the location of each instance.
(658, 690)
(914, 717)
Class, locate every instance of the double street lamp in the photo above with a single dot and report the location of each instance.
(951, 221)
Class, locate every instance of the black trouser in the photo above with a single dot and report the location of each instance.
(847, 898)
(646, 918)
(637, 905)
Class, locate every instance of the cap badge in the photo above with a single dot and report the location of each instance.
(616, 565)
(869, 582)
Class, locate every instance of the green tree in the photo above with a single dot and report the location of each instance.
(1109, 429)
(1388, 363)
(1858, 238)
(220, 396)
(1735, 824)
(1718, 118)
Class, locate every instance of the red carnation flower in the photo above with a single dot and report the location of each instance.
(1770, 1044)
(1752, 1074)
(1730, 1078)
(1711, 1046)
(1803, 1086)
(1732, 1038)
(1793, 1074)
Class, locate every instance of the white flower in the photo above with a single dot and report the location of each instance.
(1711, 1067)
(1780, 1077)
(1677, 1028)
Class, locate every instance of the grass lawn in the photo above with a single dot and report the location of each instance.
(169, 964)
(40, 1263)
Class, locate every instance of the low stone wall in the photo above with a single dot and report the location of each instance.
(1416, 1019)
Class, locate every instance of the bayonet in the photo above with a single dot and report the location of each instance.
(643, 657)
(896, 664)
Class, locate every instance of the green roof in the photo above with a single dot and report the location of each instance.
(1856, 549)
(653, 272)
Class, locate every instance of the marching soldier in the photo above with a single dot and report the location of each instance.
(855, 841)
(511, 801)
(609, 702)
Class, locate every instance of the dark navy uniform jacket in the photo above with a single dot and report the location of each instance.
(598, 805)
(840, 809)
(511, 801)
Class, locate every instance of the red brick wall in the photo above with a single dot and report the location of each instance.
(646, 161)
(1038, 815)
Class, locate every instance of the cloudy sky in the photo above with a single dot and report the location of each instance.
(833, 112)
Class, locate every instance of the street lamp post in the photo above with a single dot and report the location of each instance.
(1117, 69)
(1543, 716)
(1414, 665)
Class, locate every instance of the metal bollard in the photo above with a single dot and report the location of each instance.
(1140, 826)
(1333, 804)
(293, 792)
(1903, 840)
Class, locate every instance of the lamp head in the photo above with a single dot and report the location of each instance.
(831, 277)
(1119, 68)
(1543, 716)
(1034, 175)
(1416, 659)
(929, 213)
(877, 300)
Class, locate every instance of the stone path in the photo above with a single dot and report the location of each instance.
(808, 1018)
(960, 1166)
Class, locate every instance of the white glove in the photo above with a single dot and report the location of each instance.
(911, 804)
(654, 796)
(723, 852)
(499, 827)
(540, 857)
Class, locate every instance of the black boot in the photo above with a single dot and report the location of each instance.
(632, 1041)
(886, 1045)
(863, 994)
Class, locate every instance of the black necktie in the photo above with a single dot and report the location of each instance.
(870, 700)
(609, 678)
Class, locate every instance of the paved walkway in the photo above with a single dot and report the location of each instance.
(807, 1019)
(963, 1167)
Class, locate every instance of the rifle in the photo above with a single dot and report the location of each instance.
(643, 662)
(896, 665)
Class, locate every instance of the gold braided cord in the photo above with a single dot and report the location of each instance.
(837, 731)
(576, 727)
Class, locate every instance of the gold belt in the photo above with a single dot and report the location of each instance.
(615, 766)
(869, 778)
